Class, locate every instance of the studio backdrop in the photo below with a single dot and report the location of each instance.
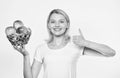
(99, 21)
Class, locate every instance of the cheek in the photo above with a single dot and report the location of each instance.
(51, 26)
(64, 25)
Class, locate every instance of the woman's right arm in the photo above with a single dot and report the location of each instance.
(27, 73)
(31, 71)
(28, 70)
(36, 67)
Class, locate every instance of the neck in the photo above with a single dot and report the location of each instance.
(59, 40)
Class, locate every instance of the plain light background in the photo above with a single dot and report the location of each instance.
(99, 21)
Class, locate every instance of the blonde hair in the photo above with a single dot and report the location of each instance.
(58, 11)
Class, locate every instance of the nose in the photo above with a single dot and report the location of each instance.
(57, 25)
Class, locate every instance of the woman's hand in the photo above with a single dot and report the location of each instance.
(79, 39)
(93, 48)
(21, 49)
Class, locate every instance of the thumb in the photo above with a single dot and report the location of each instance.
(80, 32)
(23, 47)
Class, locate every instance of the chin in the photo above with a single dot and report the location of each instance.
(59, 34)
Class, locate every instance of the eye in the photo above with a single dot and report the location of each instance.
(52, 22)
(62, 21)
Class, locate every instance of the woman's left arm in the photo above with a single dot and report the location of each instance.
(93, 48)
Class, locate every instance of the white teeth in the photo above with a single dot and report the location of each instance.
(57, 29)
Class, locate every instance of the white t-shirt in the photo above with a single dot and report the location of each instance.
(59, 63)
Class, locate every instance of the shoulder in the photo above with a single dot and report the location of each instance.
(72, 43)
(42, 47)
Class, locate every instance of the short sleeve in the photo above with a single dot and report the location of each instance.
(39, 54)
(79, 49)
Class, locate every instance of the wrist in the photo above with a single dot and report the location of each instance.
(26, 57)
(25, 53)
(86, 43)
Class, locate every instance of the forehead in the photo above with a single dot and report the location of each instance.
(57, 16)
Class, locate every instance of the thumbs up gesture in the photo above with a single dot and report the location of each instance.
(79, 39)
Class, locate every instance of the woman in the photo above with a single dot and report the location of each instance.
(60, 52)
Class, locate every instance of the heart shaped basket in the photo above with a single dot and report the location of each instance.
(18, 34)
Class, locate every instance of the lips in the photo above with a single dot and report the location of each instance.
(57, 29)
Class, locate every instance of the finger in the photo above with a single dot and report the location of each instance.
(74, 37)
(23, 47)
(80, 32)
(16, 48)
(29, 31)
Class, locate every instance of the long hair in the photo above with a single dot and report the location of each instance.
(58, 11)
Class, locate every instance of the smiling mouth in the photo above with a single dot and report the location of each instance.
(57, 29)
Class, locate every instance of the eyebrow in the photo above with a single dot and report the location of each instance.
(60, 19)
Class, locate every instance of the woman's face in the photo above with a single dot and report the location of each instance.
(57, 24)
